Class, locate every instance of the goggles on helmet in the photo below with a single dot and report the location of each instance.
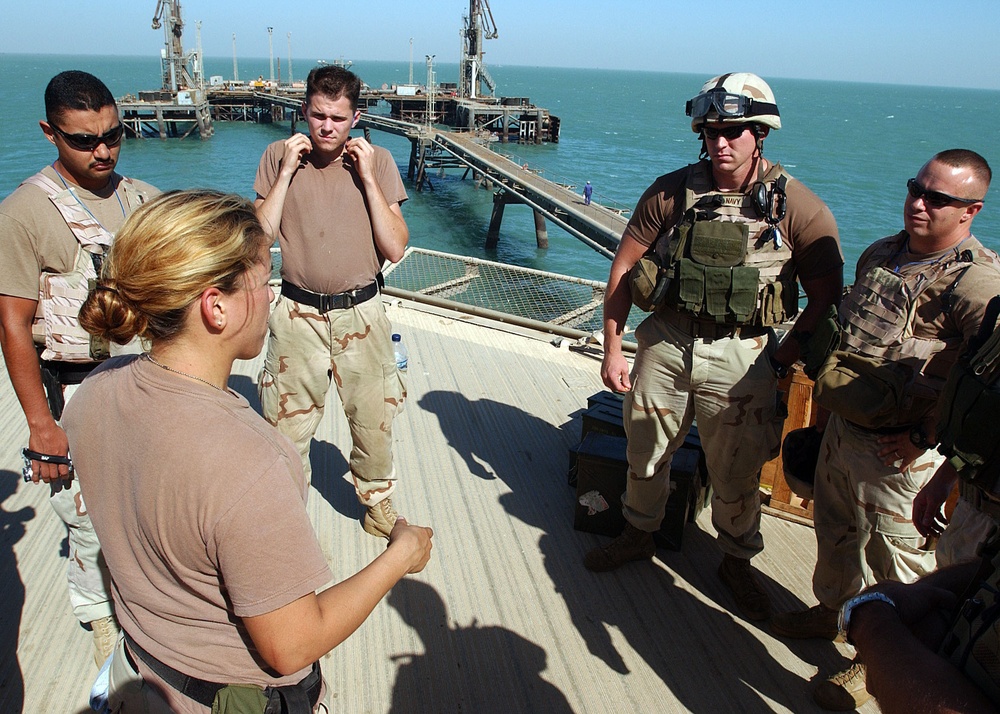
(727, 105)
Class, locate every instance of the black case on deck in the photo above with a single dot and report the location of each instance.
(599, 469)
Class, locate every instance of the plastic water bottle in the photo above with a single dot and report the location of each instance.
(399, 349)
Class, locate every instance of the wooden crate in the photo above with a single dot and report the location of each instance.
(778, 498)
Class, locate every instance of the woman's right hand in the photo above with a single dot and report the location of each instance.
(416, 538)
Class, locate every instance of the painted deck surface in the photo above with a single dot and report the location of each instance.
(505, 618)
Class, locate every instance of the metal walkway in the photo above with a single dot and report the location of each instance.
(597, 226)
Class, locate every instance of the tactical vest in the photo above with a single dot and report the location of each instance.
(969, 408)
(973, 642)
(56, 325)
(722, 257)
(877, 317)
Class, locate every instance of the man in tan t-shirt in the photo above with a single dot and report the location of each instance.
(57, 224)
(333, 203)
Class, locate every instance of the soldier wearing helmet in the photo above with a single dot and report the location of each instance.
(715, 250)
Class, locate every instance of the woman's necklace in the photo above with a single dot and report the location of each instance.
(185, 374)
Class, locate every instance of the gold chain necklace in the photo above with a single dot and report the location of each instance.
(184, 374)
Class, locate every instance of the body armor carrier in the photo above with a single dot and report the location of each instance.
(56, 326)
(725, 261)
(877, 317)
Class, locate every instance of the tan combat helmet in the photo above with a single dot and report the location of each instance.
(738, 97)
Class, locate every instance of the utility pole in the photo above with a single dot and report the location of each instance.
(290, 58)
(236, 69)
(199, 62)
(411, 61)
(430, 90)
(270, 50)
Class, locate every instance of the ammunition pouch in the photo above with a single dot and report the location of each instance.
(711, 280)
(649, 282)
(866, 391)
(726, 294)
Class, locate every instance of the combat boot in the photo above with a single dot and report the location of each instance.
(818, 621)
(380, 518)
(843, 692)
(738, 575)
(632, 544)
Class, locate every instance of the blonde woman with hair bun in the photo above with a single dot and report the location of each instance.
(199, 504)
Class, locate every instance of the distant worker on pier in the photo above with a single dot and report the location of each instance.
(715, 250)
(588, 191)
(54, 230)
(333, 202)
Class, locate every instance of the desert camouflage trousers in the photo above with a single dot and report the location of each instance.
(967, 530)
(863, 515)
(353, 348)
(86, 570)
(727, 386)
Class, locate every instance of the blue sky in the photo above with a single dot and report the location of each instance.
(921, 42)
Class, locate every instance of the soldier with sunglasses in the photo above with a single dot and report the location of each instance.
(54, 229)
(716, 250)
(917, 299)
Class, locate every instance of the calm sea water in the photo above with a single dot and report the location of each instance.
(854, 144)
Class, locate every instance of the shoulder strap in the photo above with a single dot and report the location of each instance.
(984, 348)
(91, 235)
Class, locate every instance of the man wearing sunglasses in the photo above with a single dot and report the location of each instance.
(734, 234)
(54, 228)
(917, 299)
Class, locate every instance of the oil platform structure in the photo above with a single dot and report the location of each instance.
(181, 106)
(470, 104)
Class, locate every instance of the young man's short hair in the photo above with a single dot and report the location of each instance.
(74, 89)
(334, 82)
(967, 159)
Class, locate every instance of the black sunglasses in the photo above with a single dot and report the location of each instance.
(88, 142)
(935, 199)
(730, 133)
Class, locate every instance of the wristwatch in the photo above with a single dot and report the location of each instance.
(844, 620)
(780, 370)
(918, 437)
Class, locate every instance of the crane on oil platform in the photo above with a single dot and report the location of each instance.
(180, 70)
(478, 27)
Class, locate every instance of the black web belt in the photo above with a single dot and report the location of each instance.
(69, 372)
(326, 302)
(56, 375)
(204, 692)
